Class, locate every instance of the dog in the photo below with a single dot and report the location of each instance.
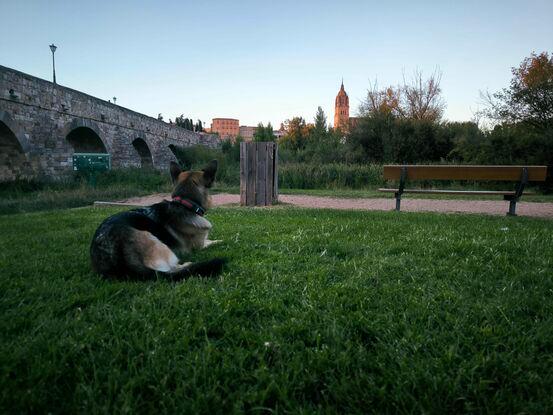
(142, 243)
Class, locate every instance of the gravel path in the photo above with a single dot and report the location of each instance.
(491, 207)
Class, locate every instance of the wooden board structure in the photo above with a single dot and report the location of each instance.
(258, 173)
(500, 173)
(520, 174)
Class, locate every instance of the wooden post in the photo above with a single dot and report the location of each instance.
(258, 173)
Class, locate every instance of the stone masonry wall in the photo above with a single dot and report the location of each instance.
(41, 115)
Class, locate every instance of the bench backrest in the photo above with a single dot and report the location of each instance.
(431, 172)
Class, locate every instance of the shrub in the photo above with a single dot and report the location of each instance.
(195, 158)
(329, 176)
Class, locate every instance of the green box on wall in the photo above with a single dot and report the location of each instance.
(91, 162)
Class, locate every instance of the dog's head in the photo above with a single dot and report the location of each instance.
(193, 185)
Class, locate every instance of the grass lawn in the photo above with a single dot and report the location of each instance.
(72, 191)
(318, 311)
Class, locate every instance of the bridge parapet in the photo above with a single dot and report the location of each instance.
(48, 123)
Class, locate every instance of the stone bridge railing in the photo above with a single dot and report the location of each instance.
(42, 124)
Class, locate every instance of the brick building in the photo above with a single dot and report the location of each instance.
(225, 127)
(247, 132)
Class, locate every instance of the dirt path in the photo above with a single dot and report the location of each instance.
(491, 207)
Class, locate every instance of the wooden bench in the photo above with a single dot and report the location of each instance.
(520, 174)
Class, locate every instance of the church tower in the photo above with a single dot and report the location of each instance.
(341, 110)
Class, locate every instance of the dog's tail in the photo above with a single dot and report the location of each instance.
(210, 268)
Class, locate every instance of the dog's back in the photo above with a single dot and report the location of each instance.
(116, 249)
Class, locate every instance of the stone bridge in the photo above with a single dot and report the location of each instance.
(42, 124)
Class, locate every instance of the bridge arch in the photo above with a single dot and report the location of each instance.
(144, 153)
(8, 121)
(84, 136)
(14, 148)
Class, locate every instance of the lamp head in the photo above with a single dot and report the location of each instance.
(53, 47)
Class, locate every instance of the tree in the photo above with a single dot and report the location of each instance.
(199, 127)
(417, 99)
(259, 133)
(382, 102)
(185, 123)
(402, 124)
(269, 132)
(297, 133)
(263, 133)
(421, 99)
(320, 121)
(529, 98)
(368, 137)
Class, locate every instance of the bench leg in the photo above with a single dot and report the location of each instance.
(398, 202)
(512, 207)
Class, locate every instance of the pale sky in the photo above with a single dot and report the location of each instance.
(269, 61)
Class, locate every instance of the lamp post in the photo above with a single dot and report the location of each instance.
(53, 49)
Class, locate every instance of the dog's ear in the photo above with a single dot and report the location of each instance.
(209, 173)
(175, 170)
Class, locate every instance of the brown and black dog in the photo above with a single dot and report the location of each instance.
(139, 243)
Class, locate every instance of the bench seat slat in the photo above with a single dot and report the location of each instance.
(453, 192)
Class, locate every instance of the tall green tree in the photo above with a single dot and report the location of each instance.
(263, 133)
(269, 132)
(320, 122)
(259, 133)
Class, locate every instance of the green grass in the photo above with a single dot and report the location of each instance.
(75, 191)
(319, 311)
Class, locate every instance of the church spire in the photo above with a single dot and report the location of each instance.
(341, 109)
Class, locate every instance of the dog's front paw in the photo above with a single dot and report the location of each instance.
(209, 243)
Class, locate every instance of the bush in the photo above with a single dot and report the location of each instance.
(196, 157)
(383, 138)
(329, 176)
(76, 190)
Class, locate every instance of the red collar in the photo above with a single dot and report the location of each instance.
(190, 205)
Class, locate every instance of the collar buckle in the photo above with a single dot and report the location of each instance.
(190, 205)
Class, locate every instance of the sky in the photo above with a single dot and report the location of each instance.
(268, 61)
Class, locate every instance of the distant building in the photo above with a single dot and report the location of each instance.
(341, 110)
(281, 132)
(225, 127)
(342, 120)
(229, 128)
(247, 132)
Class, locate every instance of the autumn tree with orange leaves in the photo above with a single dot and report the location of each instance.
(529, 98)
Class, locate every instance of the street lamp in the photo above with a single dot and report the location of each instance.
(53, 49)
